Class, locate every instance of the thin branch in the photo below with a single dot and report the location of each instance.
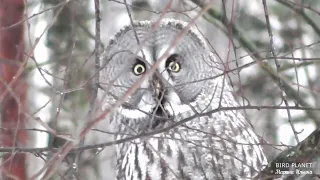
(157, 131)
(95, 85)
(253, 52)
(283, 94)
(301, 12)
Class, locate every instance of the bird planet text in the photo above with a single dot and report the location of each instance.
(294, 165)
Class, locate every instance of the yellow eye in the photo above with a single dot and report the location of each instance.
(174, 66)
(139, 69)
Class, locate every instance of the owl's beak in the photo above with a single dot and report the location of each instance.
(160, 99)
(157, 88)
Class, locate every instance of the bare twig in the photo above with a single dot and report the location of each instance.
(157, 131)
(95, 85)
(283, 94)
(253, 52)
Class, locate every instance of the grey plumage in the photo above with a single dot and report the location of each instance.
(187, 84)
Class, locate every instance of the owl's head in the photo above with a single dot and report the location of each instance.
(179, 80)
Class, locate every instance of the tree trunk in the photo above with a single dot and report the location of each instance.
(12, 106)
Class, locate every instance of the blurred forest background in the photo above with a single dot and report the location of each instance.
(274, 51)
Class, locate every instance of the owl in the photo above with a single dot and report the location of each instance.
(181, 100)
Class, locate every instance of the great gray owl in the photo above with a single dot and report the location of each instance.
(221, 145)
